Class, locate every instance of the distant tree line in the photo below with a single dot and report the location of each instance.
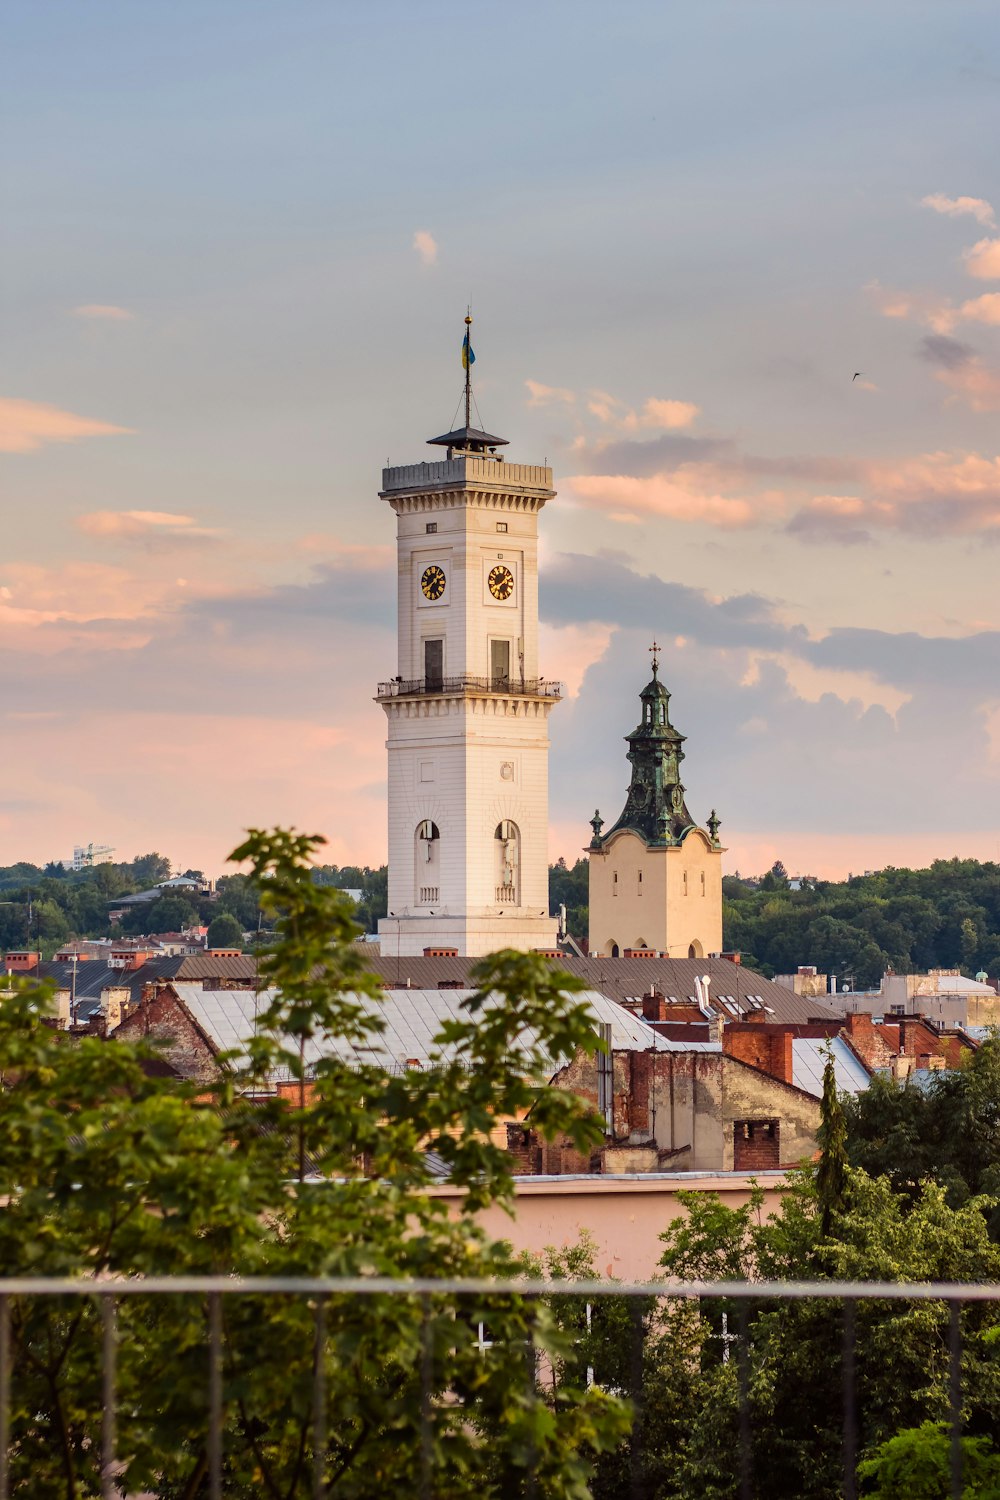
(946, 916)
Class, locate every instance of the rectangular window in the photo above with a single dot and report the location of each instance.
(501, 526)
(434, 666)
(431, 526)
(500, 663)
(639, 882)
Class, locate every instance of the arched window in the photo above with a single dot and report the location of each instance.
(696, 950)
(613, 950)
(507, 862)
(427, 863)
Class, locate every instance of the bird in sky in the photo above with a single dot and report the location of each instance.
(855, 375)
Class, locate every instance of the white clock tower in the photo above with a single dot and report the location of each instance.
(468, 733)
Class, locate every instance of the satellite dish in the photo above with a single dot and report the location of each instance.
(845, 989)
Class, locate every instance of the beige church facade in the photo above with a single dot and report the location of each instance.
(655, 876)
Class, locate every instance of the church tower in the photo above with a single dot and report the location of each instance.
(655, 876)
(468, 712)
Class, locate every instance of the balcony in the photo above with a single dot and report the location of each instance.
(376, 1371)
(427, 687)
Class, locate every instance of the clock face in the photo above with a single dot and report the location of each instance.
(432, 582)
(501, 582)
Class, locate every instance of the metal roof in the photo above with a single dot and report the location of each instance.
(809, 1056)
(735, 992)
(411, 1020)
(468, 437)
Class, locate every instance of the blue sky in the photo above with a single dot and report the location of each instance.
(239, 243)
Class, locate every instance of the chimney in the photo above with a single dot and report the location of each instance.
(21, 961)
(654, 1005)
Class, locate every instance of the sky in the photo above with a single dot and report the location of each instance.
(239, 240)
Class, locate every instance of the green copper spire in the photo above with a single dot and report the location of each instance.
(655, 807)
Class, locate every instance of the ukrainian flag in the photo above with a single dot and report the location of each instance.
(468, 357)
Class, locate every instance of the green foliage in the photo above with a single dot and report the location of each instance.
(831, 1174)
(793, 1350)
(948, 1132)
(107, 1170)
(225, 932)
(570, 887)
(916, 1465)
(945, 916)
(169, 913)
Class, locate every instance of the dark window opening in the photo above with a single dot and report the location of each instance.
(434, 665)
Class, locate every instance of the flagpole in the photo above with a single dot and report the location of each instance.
(468, 369)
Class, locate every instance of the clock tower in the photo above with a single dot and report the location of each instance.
(467, 711)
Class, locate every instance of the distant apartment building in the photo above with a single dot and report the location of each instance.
(85, 856)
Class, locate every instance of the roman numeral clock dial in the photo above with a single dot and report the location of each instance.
(432, 582)
(501, 582)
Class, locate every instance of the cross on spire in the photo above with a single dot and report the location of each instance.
(654, 652)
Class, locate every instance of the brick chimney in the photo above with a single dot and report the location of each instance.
(21, 961)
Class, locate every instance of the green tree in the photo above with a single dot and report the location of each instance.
(916, 1465)
(108, 1170)
(831, 1174)
(225, 932)
(165, 914)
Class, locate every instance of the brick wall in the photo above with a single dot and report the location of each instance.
(160, 1016)
(756, 1145)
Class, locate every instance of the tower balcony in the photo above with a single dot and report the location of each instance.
(436, 687)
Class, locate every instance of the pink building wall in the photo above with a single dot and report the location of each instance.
(625, 1215)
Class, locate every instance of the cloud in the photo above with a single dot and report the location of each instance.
(426, 247)
(955, 207)
(657, 411)
(982, 260)
(832, 518)
(984, 309)
(669, 414)
(962, 370)
(26, 426)
(977, 381)
(676, 497)
(157, 529)
(545, 395)
(105, 310)
(934, 494)
(948, 353)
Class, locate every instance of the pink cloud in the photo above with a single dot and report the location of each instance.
(675, 497)
(669, 414)
(984, 309)
(545, 395)
(977, 381)
(157, 527)
(956, 207)
(571, 650)
(426, 247)
(105, 310)
(26, 426)
(983, 260)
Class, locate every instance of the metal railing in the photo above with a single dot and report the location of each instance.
(421, 687)
(318, 1292)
